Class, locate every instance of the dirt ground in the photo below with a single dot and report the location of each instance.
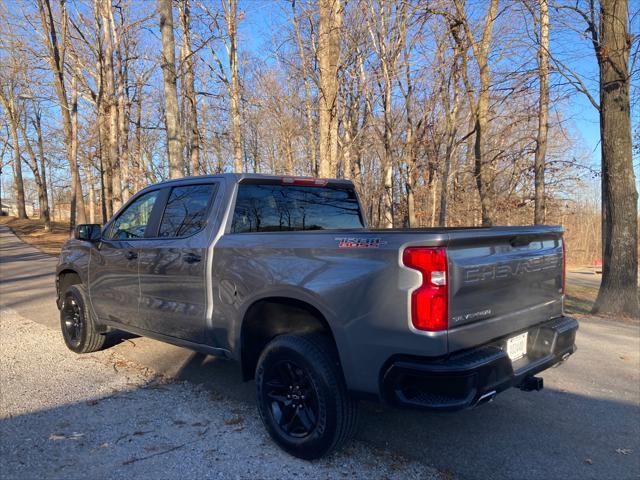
(32, 232)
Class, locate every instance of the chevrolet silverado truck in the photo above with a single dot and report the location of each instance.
(283, 275)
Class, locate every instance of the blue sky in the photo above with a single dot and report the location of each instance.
(262, 18)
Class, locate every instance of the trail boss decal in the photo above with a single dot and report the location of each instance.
(352, 242)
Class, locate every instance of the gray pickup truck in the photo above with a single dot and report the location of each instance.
(283, 275)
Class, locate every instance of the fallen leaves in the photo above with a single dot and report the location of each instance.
(234, 420)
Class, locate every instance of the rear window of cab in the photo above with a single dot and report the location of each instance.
(283, 208)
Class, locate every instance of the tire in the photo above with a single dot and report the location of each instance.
(302, 396)
(77, 324)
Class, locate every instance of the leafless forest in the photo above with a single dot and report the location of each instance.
(443, 112)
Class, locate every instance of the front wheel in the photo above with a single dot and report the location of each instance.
(78, 328)
(302, 397)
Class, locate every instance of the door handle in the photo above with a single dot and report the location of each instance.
(131, 255)
(191, 258)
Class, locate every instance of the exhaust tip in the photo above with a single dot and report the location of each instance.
(486, 398)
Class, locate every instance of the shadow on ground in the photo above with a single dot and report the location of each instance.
(469, 445)
(537, 435)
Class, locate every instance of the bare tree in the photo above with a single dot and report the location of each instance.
(607, 30)
(189, 60)
(451, 101)
(37, 125)
(480, 107)
(172, 122)
(543, 113)
(111, 103)
(7, 98)
(35, 169)
(311, 135)
(387, 28)
(231, 17)
(618, 291)
(328, 63)
(123, 104)
(56, 56)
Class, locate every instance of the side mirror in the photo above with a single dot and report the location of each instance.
(89, 232)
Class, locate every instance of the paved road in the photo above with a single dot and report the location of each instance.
(584, 278)
(585, 424)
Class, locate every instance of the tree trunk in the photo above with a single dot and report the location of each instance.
(111, 105)
(484, 175)
(8, 104)
(311, 135)
(543, 115)
(451, 115)
(86, 167)
(76, 185)
(106, 183)
(174, 140)
(387, 161)
(140, 171)
(618, 292)
(482, 167)
(409, 147)
(17, 167)
(328, 62)
(46, 212)
(40, 185)
(56, 60)
(188, 58)
(234, 90)
(122, 164)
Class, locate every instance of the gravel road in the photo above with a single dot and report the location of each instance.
(102, 416)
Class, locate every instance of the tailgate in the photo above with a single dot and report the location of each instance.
(501, 282)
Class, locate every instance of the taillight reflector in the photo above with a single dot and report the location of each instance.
(430, 301)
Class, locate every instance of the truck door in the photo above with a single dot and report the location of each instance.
(173, 264)
(113, 268)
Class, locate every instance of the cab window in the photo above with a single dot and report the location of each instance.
(132, 222)
(186, 210)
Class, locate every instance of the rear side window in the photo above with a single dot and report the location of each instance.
(277, 208)
(186, 210)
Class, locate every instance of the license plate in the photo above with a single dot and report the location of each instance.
(517, 346)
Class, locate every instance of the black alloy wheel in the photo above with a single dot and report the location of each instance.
(294, 401)
(72, 322)
(302, 395)
(79, 330)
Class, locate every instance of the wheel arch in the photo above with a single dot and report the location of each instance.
(269, 317)
(66, 277)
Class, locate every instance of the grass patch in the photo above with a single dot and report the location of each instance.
(579, 299)
(32, 232)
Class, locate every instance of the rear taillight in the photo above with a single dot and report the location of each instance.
(430, 301)
(564, 266)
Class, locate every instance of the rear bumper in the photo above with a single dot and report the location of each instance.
(470, 377)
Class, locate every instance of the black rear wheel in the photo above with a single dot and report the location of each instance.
(293, 400)
(302, 396)
(77, 324)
